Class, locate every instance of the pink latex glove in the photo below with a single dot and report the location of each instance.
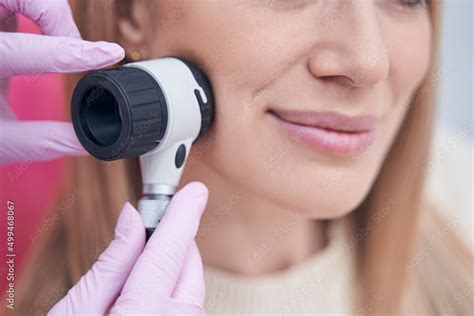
(163, 277)
(60, 49)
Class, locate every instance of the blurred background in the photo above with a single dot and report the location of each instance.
(451, 165)
(33, 186)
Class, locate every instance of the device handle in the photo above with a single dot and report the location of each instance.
(152, 207)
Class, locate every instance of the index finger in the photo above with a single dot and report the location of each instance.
(54, 17)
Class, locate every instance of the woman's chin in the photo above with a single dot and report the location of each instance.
(330, 204)
(324, 213)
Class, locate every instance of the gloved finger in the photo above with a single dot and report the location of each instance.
(190, 286)
(158, 306)
(99, 287)
(157, 269)
(27, 54)
(187, 297)
(37, 140)
(54, 17)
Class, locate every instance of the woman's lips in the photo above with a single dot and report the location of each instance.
(329, 131)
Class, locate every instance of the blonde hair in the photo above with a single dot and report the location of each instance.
(386, 226)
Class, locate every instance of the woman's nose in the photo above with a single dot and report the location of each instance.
(351, 47)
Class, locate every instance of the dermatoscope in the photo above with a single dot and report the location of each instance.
(155, 110)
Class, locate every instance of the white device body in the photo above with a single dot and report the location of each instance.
(159, 172)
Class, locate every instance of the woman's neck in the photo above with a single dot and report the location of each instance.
(242, 233)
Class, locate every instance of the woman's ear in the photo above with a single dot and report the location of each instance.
(134, 17)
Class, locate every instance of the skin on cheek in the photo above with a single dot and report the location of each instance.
(408, 69)
(257, 57)
(409, 66)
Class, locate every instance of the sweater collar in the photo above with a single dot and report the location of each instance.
(320, 284)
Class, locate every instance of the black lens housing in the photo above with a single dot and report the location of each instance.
(122, 112)
(119, 113)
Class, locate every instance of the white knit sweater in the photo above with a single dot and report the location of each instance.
(320, 285)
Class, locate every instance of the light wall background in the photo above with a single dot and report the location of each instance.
(450, 180)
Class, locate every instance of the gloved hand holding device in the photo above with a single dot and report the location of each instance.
(60, 49)
(163, 277)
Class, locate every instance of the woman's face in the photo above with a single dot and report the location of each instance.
(277, 66)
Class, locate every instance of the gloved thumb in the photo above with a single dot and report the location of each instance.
(101, 285)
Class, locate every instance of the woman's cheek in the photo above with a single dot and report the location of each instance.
(409, 66)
